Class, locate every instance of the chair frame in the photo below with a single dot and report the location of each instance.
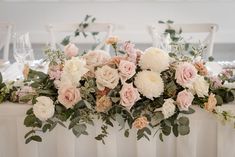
(6, 44)
(94, 27)
(209, 28)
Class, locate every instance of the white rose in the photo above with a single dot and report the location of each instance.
(73, 70)
(106, 77)
(149, 84)
(44, 108)
(168, 108)
(96, 58)
(200, 86)
(154, 59)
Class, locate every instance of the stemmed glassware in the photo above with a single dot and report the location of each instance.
(22, 49)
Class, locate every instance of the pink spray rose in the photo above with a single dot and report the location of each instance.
(68, 95)
(129, 95)
(55, 72)
(185, 74)
(184, 100)
(126, 70)
(128, 47)
(71, 50)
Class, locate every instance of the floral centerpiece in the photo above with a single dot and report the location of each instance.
(151, 91)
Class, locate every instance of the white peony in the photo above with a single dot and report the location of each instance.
(149, 84)
(44, 108)
(168, 108)
(73, 70)
(154, 59)
(200, 86)
(106, 77)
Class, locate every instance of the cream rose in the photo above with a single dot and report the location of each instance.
(71, 50)
(140, 122)
(96, 58)
(184, 100)
(69, 95)
(73, 71)
(129, 95)
(103, 104)
(44, 108)
(168, 108)
(200, 86)
(106, 77)
(126, 70)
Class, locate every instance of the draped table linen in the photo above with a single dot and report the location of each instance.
(207, 138)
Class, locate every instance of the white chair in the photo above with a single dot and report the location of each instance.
(205, 28)
(106, 28)
(5, 38)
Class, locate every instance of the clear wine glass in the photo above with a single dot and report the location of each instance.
(22, 49)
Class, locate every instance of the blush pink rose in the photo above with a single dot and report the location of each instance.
(129, 95)
(184, 100)
(128, 47)
(185, 74)
(68, 95)
(126, 70)
(96, 58)
(71, 50)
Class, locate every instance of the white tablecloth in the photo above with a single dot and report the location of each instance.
(206, 139)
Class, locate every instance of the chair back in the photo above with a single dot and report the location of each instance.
(194, 29)
(106, 28)
(5, 38)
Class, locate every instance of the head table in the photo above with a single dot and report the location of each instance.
(207, 138)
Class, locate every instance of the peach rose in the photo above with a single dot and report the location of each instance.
(68, 95)
(185, 74)
(201, 68)
(211, 104)
(140, 122)
(71, 50)
(184, 100)
(103, 104)
(126, 70)
(26, 71)
(129, 95)
(112, 40)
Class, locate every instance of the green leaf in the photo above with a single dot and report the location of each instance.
(115, 99)
(147, 130)
(79, 129)
(66, 41)
(30, 111)
(29, 120)
(183, 121)
(169, 21)
(161, 137)
(126, 133)
(46, 127)
(190, 111)
(0, 77)
(36, 138)
(120, 120)
(183, 130)
(175, 130)
(219, 99)
(157, 118)
(161, 22)
(29, 133)
(166, 130)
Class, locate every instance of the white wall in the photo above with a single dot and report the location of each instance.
(134, 16)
